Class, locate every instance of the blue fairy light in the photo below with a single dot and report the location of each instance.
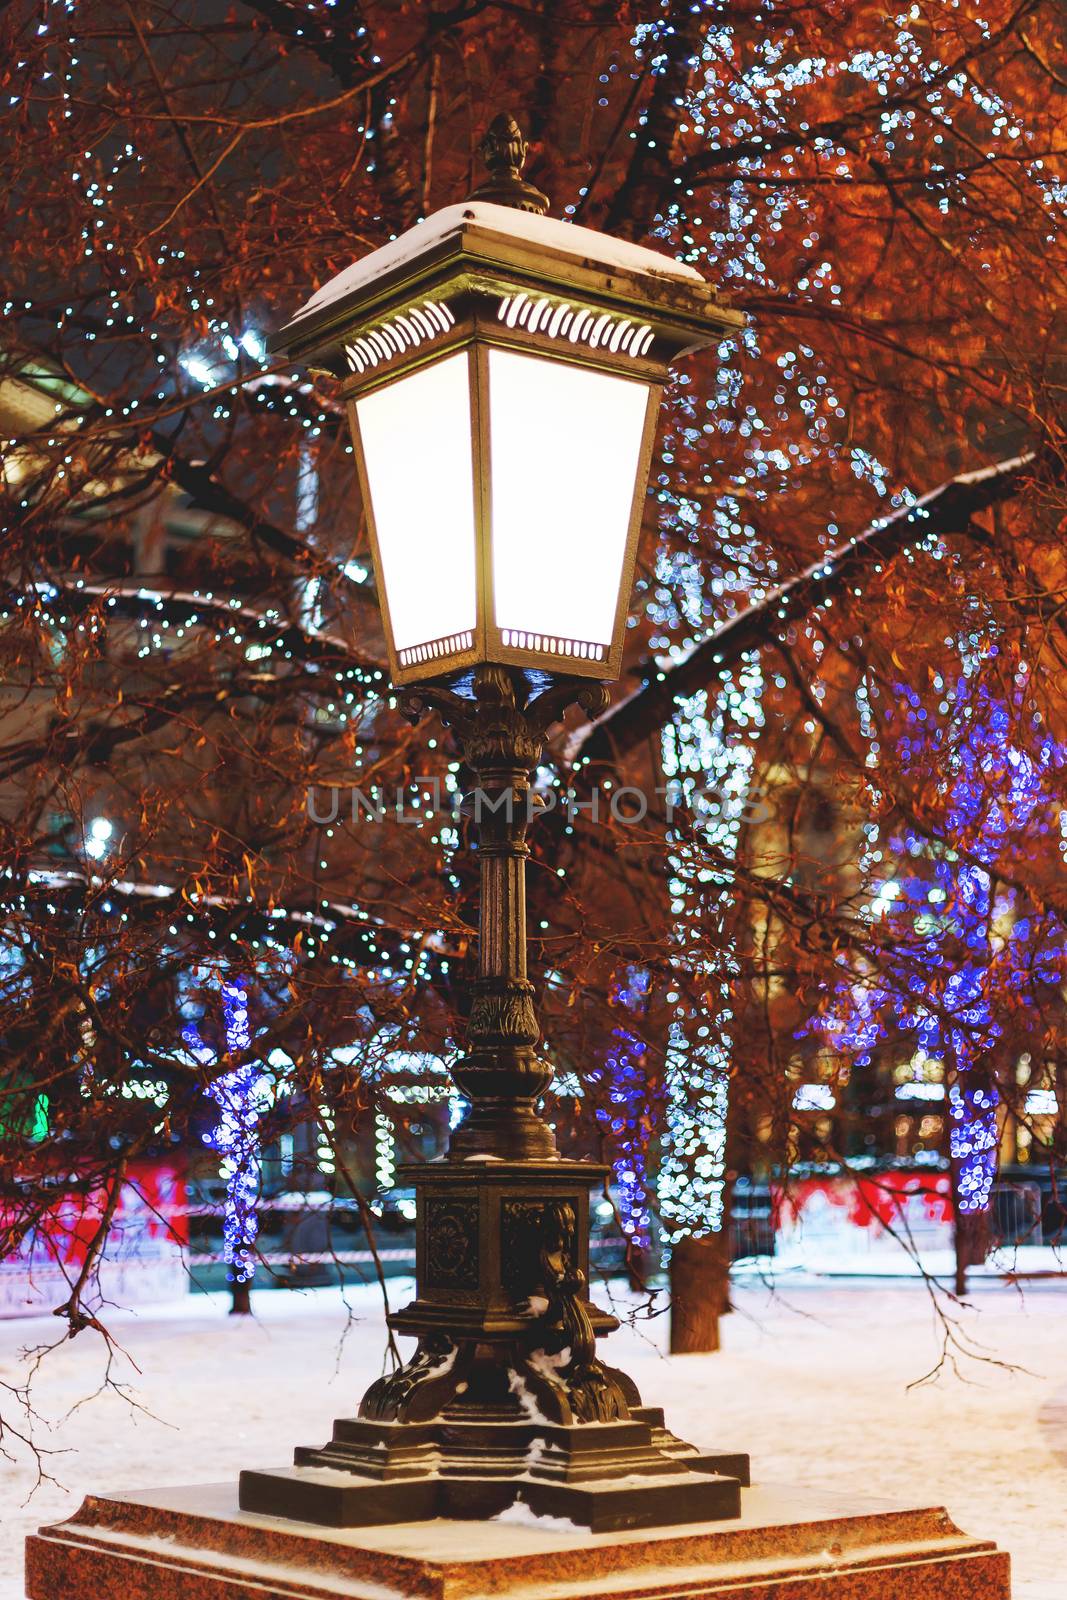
(239, 1096)
(626, 1118)
(958, 943)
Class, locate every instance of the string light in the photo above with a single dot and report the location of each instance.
(941, 901)
(241, 1098)
(627, 1118)
(704, 744)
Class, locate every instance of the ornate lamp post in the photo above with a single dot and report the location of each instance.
(503, 373)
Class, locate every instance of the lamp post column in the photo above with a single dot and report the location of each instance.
(501, 1075)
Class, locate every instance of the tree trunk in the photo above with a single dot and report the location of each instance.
(240, 1300)
(700, 1276)
(972, 1244)
(970, 1235)
(640, 1267)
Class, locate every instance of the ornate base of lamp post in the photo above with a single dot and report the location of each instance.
(505, 1398)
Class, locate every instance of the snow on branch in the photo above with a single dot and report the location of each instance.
(947, 509)
(137, 597)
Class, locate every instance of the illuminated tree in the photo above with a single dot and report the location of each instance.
(972, 964)
(241, 1098)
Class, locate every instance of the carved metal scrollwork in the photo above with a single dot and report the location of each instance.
(420, 1388)
(592, 1392)
(503, 1011)
(521, 1222)
(539, 1242)
(452, 1244)
(497, 721)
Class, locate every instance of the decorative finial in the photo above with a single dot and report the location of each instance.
(503, 149)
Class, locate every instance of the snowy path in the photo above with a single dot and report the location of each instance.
(813, 1382)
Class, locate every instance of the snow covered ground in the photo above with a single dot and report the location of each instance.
(813, 1381)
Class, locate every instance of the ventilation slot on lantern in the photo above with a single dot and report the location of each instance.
(579, 325)
(436, 649)
(548, 644)
(406, 331)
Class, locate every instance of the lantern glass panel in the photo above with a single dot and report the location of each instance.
(566, 443)
(416, 438)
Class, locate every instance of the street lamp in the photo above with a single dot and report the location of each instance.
(503, 373)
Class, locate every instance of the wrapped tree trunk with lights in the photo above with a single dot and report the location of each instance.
(238, 1096)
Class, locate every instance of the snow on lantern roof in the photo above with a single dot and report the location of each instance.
(541, 233)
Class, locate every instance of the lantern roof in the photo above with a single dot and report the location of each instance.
(481, 219)
(481, 245)
(503, 371)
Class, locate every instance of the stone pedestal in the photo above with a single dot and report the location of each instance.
(196, 1544)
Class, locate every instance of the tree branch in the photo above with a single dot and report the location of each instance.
(948, 509)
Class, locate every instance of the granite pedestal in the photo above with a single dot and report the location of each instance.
(196, 1544)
